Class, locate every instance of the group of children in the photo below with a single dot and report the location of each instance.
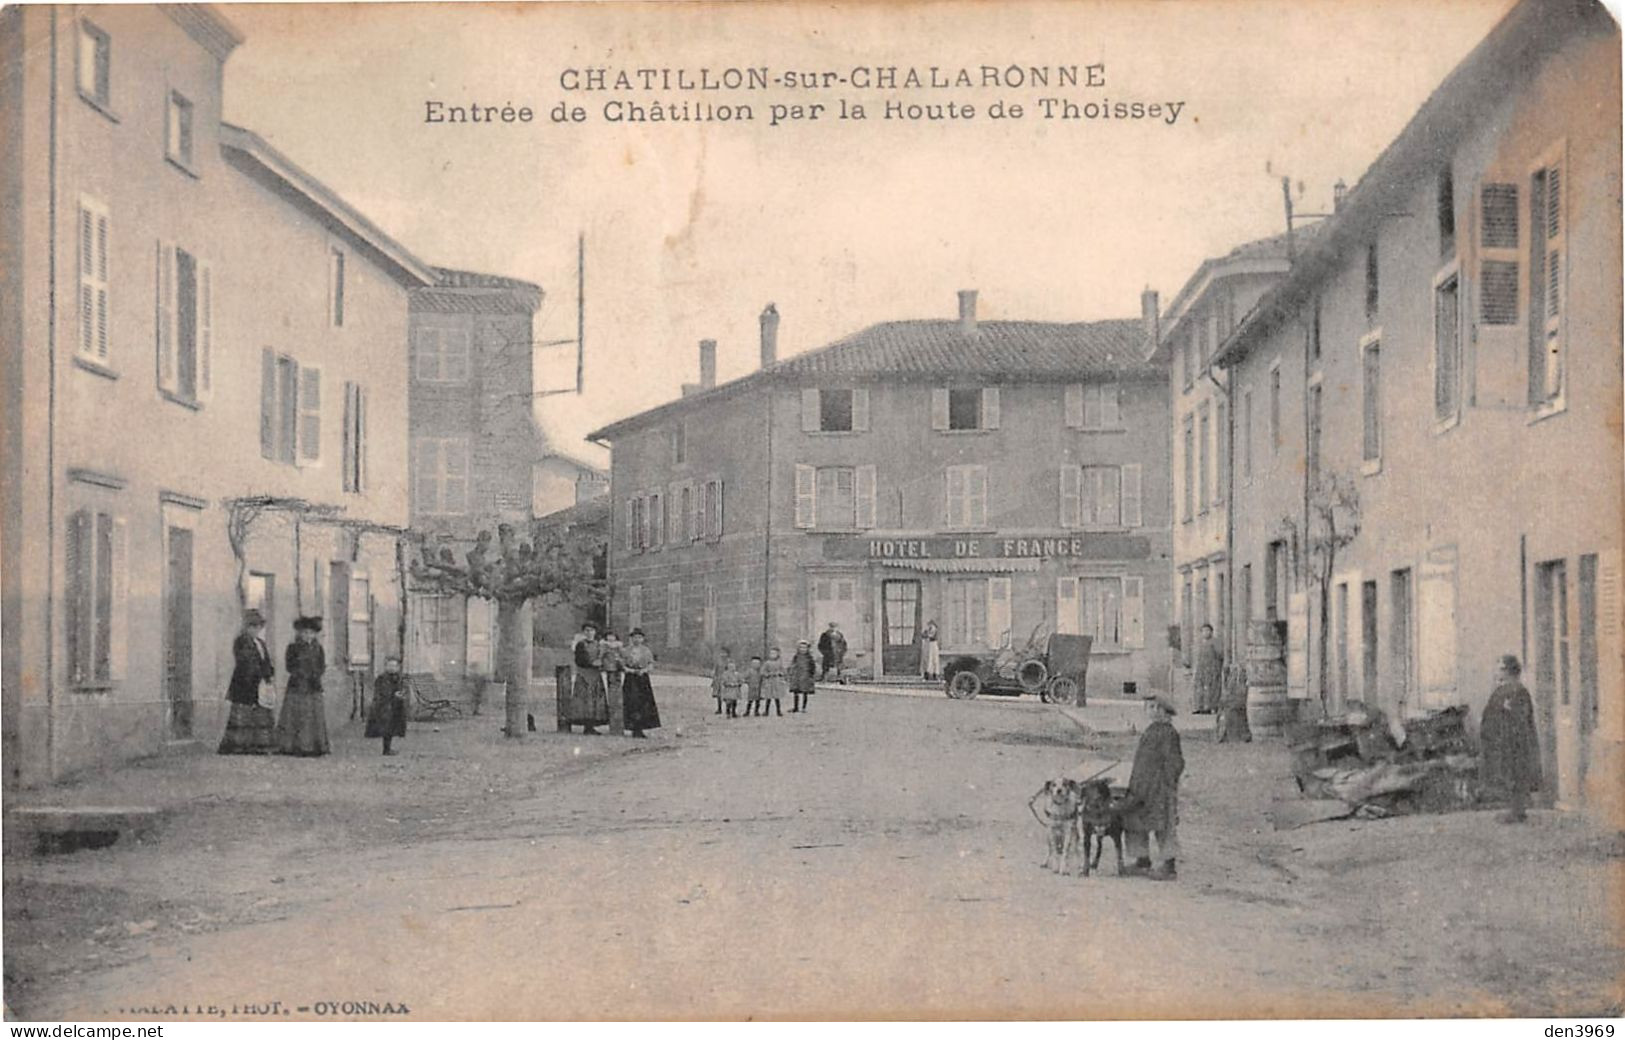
(761, 682)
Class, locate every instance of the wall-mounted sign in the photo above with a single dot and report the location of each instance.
(1098, 546)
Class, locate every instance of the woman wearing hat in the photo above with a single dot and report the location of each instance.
(302, 730)
(637, 693)
(251, 727)
(589, 707)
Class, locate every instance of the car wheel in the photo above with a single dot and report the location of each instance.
(964, 685)
(1063, 690)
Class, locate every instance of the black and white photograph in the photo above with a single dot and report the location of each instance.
(941, 511)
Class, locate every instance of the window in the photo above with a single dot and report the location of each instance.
(290, 410)
(1095, 406)
(1341, 630)
(1100, 496)
(185, 325)
(179, 143)
(1247, 434)
(335, 287)
(98, 592)
(679, 444)
(963, 409)
(355, 438)
(1313, 461)
(674, 613)
(1373, 296)
(834, 411)
(711, 504)
(1547, 295)
(837, 500)
(93, 282)
(967, 498)
(1190, 469)
(1314, 330)
(965, 609)
(1275, 407)
(259, 593)
(835, 497)
(1204, 435)
(441, 471)
(634, 607)
(685, 517)
(95, 64)
(1447, 348)
(1446, 195)
(441, 633)
(708, 615)
(441, 354)
(636, 528)
(1220, 453)
(1371, 369)
(1110, 610)
(1498, 254)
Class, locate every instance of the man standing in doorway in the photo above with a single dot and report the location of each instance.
(1509, 754)
(832, 648)
(1209, 672)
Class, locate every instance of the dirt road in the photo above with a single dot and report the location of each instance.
(872, 858)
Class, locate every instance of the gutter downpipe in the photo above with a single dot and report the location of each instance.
(1226, 389)
(767, 529)
(50, 424)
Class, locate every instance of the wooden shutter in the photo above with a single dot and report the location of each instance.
(1074, 406)
(205, 331)
(806, 496)
(1066, 606)
(358, 626)
(812, 419)
(268, 411)
(939, 408)
(1111, 406)
(1133, 630)
(93, 279)
(674, 513)
(1071, 496)
(1436, 628)
(309, 434)
(990, 408)
(866, 493)
(634, 607)
(998, 611)
(1549, 234)
(674, 613)
(696, 515)
(361, 438)
(955, 513)
(714, 507)
(118, 621)
(349, 437)
(632, 523)
(167, 363)
(1498, 237)
(80, 622)
(976, 496)
(860, 410)
(1133, 514)
(1088, 496)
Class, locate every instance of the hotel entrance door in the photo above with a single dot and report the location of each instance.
(900, 624)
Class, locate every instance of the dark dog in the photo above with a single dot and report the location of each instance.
(1099, 816)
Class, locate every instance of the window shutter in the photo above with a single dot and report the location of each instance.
(674, 613)
(860, 410)
(806, 496)
(634, 606)
(1133, 634)
(990, 408)
(956, 498)
(361, 438)
(93, 280)
(1071, 496)
(1074, 406)
(632, 523)
(1066, 606)
(812, 419)
(205, 331)
(348, 429)
(674, 513)
(267, 404)
(976, 496)
(1089, 496)
(696, 515)
(166, 317)
(1498, 265)
(79, 626)
(1111, 412)
(998, 611)
(865, 478)
(939, 408)
(716, 520)
(1554, 284)
(1132, 510)
(310, 414)
(118, 619)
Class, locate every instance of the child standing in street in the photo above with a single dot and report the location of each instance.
(803, 675)
(732, 683)
(753, 687)
(724, 661)
(387, 718)
(774, 684)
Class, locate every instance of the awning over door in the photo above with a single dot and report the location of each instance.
(978, 565)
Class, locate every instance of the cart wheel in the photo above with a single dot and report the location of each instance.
(1063, 689)
(964, 685)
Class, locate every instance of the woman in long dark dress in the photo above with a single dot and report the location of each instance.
(637, 692)
(589, 707)
(251, 727)
(302, 729)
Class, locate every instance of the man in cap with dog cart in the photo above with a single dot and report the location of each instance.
(1152, 805)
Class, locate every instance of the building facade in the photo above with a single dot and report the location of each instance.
(1005, 479)
(563, 481)
(474, 443)
(205, 407)
(1447, 355)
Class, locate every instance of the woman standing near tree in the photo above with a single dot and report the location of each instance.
(589, 707)
(302, 729)
(637, 692)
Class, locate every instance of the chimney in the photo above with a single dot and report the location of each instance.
(1149, 320)
(967, 311)
(770, 335)
(708, 363)
(1340, 193)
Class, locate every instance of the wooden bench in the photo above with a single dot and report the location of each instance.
(434, 698)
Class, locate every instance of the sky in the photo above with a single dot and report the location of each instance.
(693, 227)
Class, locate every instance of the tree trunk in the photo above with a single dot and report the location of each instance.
(512, 638)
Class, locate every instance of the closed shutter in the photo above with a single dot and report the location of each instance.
(716, 513)
(80, 621)
(1436, 628)
(1111, 411)
(990, 408)
(674, 513)
(1088, 495)
(359, 623)
(866, 492)
(1074, 406)
(267, 404)
(205, 331)
(93, 279)
(998, 611)
(976, 496)
(1071, 497)
(634, 607)
(811, 417)
(860, 410)
(1498, 254)
(632, 523)
(939, 408)
(696, 514)
(955, 514)
(361, 438)
(674, 613)
(806, 496)
(1066, 606)
(1133, 612)
(454, 479)
(349, 436)
(1132, 509)
(310, 414)
(167, 364)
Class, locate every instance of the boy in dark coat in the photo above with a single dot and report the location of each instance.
(1509, 753)
(387, 718)
(803, 676)
(1153, 794)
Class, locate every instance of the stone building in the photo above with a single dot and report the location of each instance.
(1000, 477)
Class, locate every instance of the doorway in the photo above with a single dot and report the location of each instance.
(1551, 664)
(178, 634)
(1368, 644)
(900, 625)
(1400, 666)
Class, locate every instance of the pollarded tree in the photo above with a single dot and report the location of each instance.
(554, 566)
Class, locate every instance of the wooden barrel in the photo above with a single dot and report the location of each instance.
(1268, 710)
(1266, 633)
(1271, 672)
